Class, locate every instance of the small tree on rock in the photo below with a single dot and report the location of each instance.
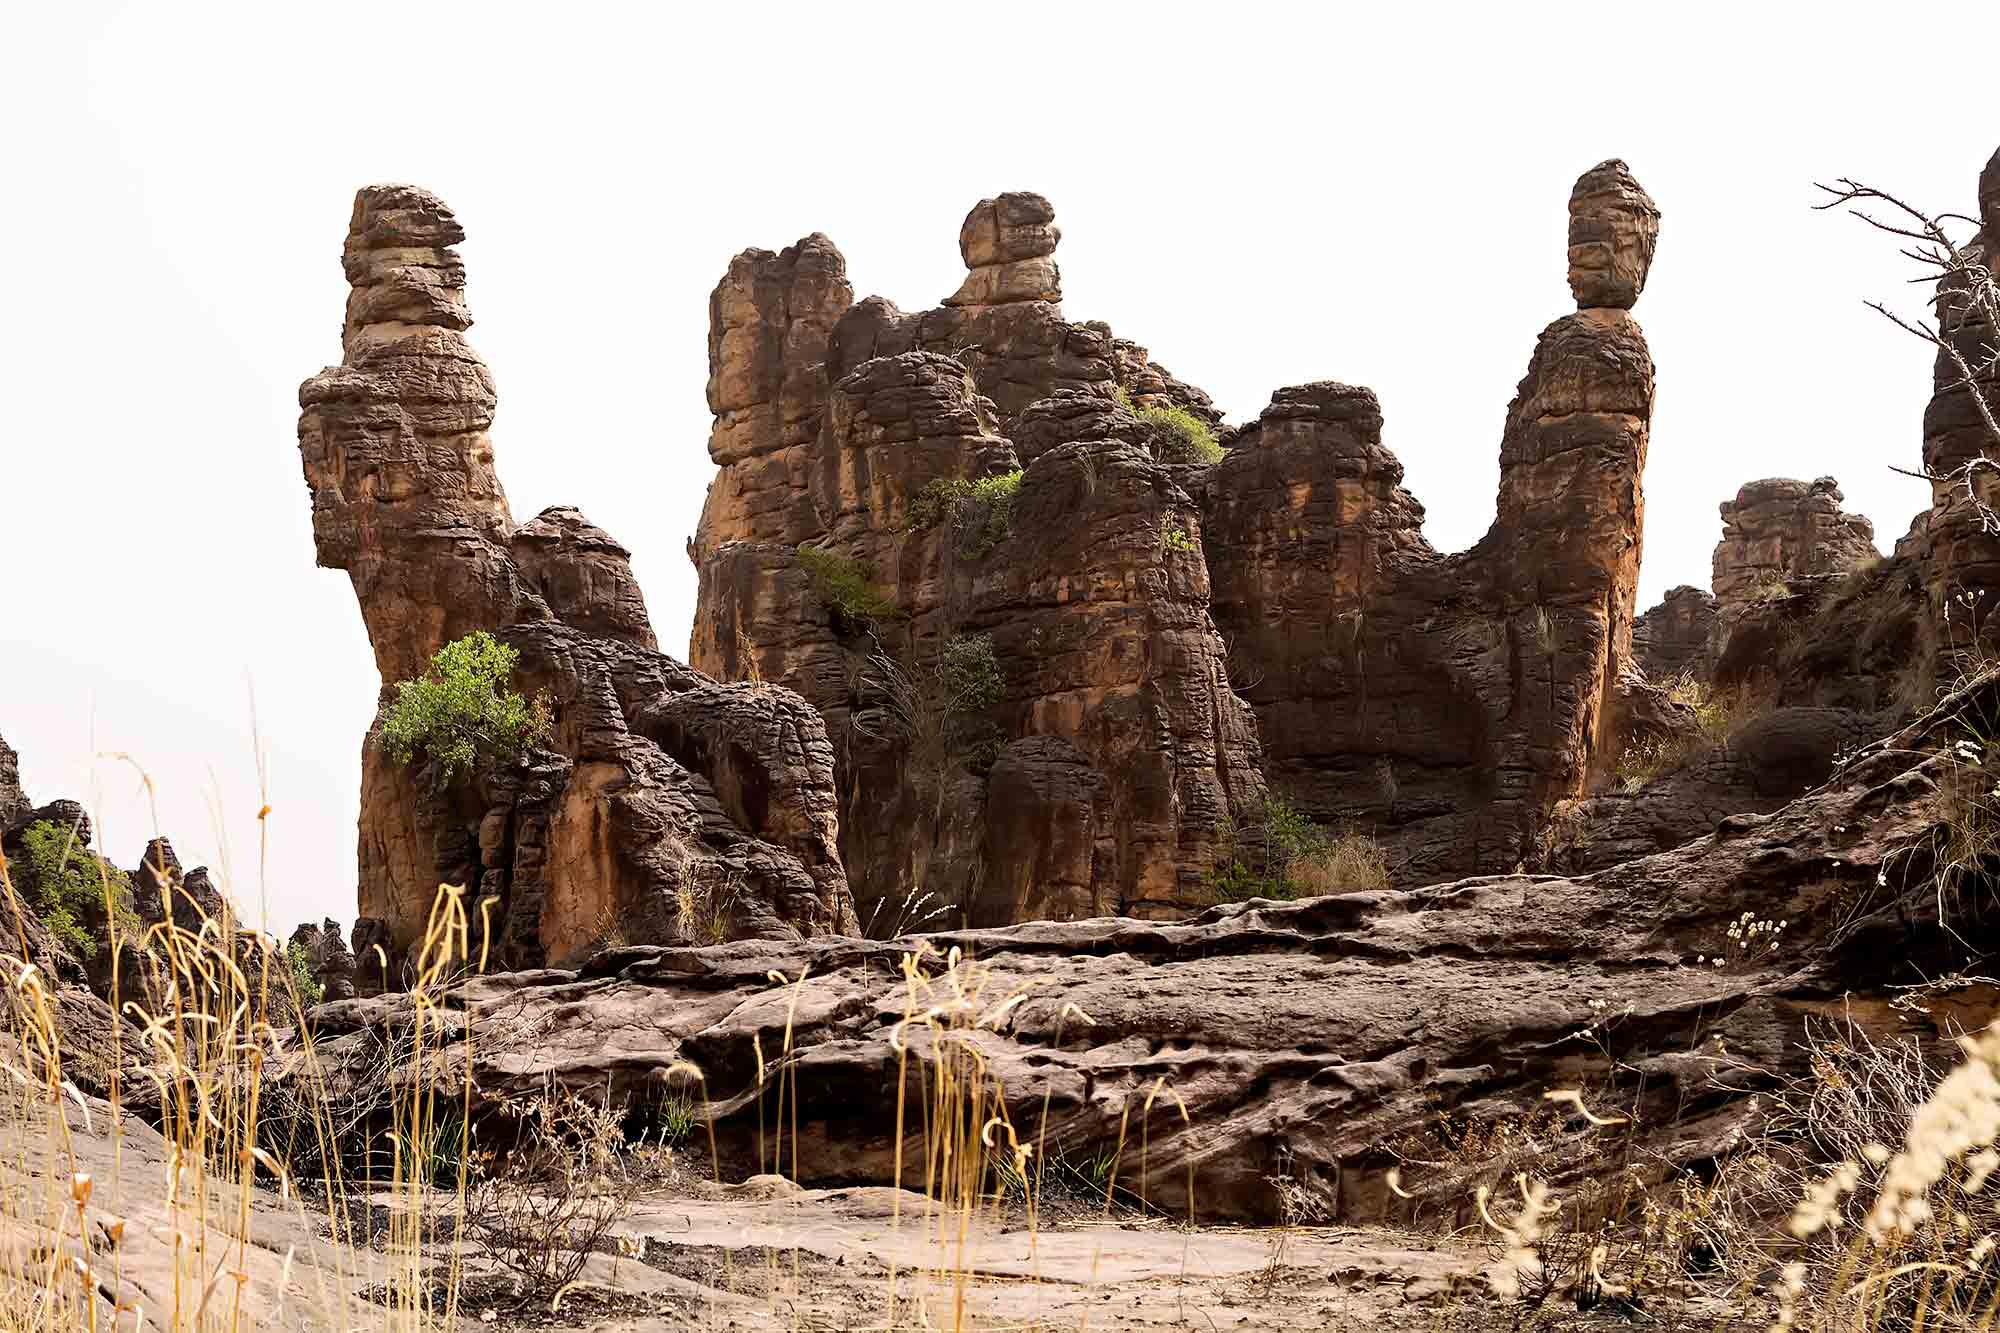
(460, 712)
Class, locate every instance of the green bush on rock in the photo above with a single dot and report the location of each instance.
(844, 587)
(460, 711)
(980, 510)
(1301, 860)
(67, 881)
(1179, 436)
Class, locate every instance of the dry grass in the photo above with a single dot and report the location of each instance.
(1712, 713)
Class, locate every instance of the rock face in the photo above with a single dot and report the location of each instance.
(1320, 1030)
(1446, 703)
(644, 797)
(1960, 549)
(1677, 636)
(1443, 704)
(13, 803)
(1101, 766)
(1778, 530)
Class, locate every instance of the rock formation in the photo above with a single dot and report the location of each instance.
(1110, 757)
(1960, 546)
(1778, 530)
(659, 784)
(13, 803)
(1446, 703)
(1316, 1032)
(1442, 703)
(1677, 636)
(332, 963)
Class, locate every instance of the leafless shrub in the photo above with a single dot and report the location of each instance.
(1963, 330)
(550, 1202)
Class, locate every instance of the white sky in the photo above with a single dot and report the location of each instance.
(1263, 196)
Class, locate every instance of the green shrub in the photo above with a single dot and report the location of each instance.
(67, 883)
(844, 587)
(1174, 537)
(970, 674)
(980, 510)
(305, 977)
(460, 712)
(1178, 435)
(1301, 860)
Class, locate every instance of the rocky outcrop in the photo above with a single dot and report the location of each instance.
(1445, 704)
(1779, 530)
(1677, 636)
(1960, 545)
(1316, 1032)
(638, 796)
(13, 803)
(844, 551)
(326, 955)
(163, 890)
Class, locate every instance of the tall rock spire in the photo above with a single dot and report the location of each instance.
(655, 774)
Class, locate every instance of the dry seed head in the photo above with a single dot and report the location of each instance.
(1961, 1117)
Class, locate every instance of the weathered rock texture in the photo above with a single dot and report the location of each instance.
(1778, 530)
(1447, 703)
(1677, 636)
(1444, 704)
(13, 802)
(659, 782)
(1318, 1032)
(1106, 773)
(1959, 546)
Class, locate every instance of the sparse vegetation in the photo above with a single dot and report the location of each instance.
(461, 713)
(70, 885)
(1178, 435)
(1173, 537)
(305, 977)
(970, 675)
(979, 510)
(844, 587)
(1713, 714)
(1301, 860)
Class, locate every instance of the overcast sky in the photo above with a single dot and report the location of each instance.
(1261, 195)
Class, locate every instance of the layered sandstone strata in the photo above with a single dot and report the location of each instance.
(642, 801)
(1444, 704)
(1960, 545)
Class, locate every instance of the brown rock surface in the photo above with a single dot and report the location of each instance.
(1445, 704)
(1103, 774)
(13, 802)
(1778, 530)
(1959, 546)
(599, 834)
(1314, 1031)
(1677, 636)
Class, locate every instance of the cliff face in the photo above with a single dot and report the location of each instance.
(660, 783)
(1103, 760)
(1441, 703)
